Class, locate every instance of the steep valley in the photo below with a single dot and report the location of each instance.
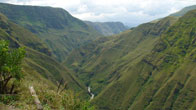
(74, 66)
(150, 67)
(99, 62)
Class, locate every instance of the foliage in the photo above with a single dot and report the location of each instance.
(10, 68)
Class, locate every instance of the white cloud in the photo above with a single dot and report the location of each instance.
(82, 9)
(132, 12)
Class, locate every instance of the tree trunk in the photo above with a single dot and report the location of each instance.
(12, 89)
(5, 84)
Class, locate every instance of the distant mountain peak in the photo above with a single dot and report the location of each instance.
(107, 28)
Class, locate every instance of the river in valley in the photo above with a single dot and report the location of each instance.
(90, 92)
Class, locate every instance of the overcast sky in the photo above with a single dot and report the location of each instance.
(130, 12)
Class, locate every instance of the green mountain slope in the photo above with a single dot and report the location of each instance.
(21, 35)
(98, 63)
(138, 69)
(184, 11)
(38, 62)
(108, 28)
(163, 79)
(56, 27)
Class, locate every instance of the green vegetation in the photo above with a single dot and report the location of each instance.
(39, 69)
(163, 79)
(38, 56)
(10, 68)
(11, 77)
(150, 67)
(60, 31)
(108, 28)
(98, 63)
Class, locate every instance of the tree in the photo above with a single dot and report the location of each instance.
(10, 67)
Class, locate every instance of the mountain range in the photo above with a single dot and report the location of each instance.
(148, 67)
(60, 31)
